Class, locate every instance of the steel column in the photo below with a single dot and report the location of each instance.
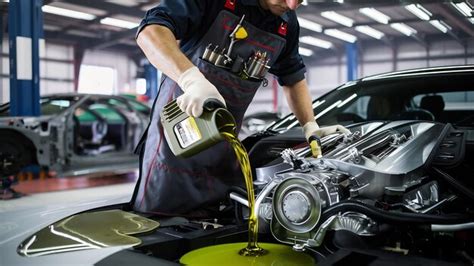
(352, 61)
(1, 58)
(77, 62)
(275, 95)
(25, 28)
(151, 76)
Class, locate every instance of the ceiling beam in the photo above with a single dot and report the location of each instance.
(84, 42)
(65, 38)
(460, 23)
(109, 7)
(47, 2)
(418, 38)
(375, 23)
(316, 6)
(113, 39)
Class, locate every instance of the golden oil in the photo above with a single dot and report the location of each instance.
(227, 254)
(252, 248)
(254, 253)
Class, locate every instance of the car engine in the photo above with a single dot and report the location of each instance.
(383, 185)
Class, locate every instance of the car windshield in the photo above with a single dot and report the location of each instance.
(55, 105)
(436, 97)
(50, 105)
(137, 106)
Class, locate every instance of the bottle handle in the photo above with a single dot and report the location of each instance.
(212, 104)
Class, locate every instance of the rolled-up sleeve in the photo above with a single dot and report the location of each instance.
(289, 67)
(182, 17)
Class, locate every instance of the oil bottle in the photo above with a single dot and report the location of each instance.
(187, 135)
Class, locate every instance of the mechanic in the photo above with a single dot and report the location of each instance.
(175, 186)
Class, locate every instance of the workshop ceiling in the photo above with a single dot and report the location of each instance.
(428, 20)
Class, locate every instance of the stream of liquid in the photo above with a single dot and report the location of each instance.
(253, 254)
(252, 248)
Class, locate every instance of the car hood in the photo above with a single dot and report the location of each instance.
(16, 226)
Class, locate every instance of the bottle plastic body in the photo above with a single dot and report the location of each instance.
(187, 135)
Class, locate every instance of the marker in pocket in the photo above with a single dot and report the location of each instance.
(214, 55)
(207, 53)
(257, 66)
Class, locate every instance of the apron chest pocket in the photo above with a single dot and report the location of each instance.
(226, 78)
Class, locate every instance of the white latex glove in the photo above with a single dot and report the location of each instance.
(197, 89)
(312, 128)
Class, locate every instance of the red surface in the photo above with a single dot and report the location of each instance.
(68, 183)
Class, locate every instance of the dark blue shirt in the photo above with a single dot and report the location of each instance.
(189, 20)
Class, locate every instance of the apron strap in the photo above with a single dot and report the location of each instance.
(230, 4)
(282, 29)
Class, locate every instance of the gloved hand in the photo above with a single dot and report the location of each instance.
(313, 133)
(197, 89)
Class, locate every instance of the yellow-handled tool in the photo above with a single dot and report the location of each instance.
(239, 33)
(315, 144)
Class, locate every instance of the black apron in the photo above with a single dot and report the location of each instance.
(170, 185)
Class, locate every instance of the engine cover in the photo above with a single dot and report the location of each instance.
(377, 160)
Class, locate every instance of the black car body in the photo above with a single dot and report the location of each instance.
(441, 94)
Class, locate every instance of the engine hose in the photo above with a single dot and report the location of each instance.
(454, 183)
(237, 190)
(238, 213)
(452, 227)
(393, 217)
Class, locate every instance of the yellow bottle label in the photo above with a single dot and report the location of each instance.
(187, 132)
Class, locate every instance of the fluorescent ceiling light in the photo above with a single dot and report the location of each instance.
(375, 15)
(347, 100)
(316, 42)
(123, 2)
(305, 52)
(338, 18)
(440, 25)
(119, 23)
(370, 31)
(318, 103)
(341, 35)
(310, 25)
(464, 8)
(403, 28)
(419, 11)
(328, 109)
(67, 12)
(90, 34)
(471, 20)
(305, 2)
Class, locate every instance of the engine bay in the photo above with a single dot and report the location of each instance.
(387, 186)
(389, 191)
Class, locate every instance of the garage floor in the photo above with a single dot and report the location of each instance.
(53, 191)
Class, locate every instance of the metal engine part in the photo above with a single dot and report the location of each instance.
(386, 161)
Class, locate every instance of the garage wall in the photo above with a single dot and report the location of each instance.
(4, 81)
(125, 68)
(329, 72)
(57, 70)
